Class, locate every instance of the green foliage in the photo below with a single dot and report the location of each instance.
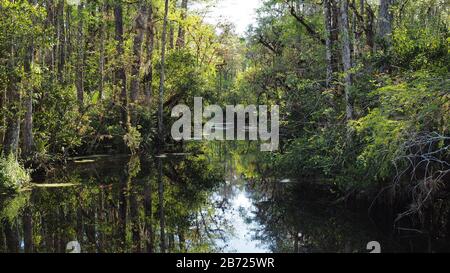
(133, 139)
(419, 48)
(13, 175)
(286, 67)
(58, 123)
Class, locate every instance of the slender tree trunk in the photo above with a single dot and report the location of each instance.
(385, 21)
(162, 74)
(61, 40)
(68, 25)
(171, 36)
(80, 59)
(346, 59)
(181, 32)
(385, 28)
(354, 44)
(360, 29)
(102, 52)
(148, 77)
(328, 41)
(54, 52)
(336, 52)
(2, 114)
(369, 28)
(28, 122)
(121, 79)
(11, 141)
(28, 139)
(140, 24)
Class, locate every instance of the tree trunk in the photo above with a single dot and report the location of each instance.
(328, 42)
(80, 59)
(148, 77)
(2, 114)
(28, 122)
(162, 74)
(61, 40)
(346, 59)
(171, 36)
(336, 52)
(140, 22)
(102, 52)
(385, 21)
(181, 32)
(11, 141)
(68, 25)
(369, 29)
(121, 79)
(359, 43)
(385, 28)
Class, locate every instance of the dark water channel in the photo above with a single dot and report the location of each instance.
(178, 203)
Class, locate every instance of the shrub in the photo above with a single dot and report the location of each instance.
(133, 139)
(13, 176)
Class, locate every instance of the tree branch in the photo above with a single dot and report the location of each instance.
(310, 29)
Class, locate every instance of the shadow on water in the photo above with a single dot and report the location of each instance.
(178, 203)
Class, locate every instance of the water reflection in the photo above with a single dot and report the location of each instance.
(218, 201)
(146, 206)
(299, 218)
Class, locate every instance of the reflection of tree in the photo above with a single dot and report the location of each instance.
(11, 208)
(113, 209)
(134, 213)
(292, 219)
(162, 216)
(27, 229)
(148, 214)
(11, 236)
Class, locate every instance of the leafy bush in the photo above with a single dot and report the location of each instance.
(13, 176)
(133, 139)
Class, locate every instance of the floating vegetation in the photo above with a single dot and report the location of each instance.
(84, 161)
(54, 185)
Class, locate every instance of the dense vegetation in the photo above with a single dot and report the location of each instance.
(363, 86)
